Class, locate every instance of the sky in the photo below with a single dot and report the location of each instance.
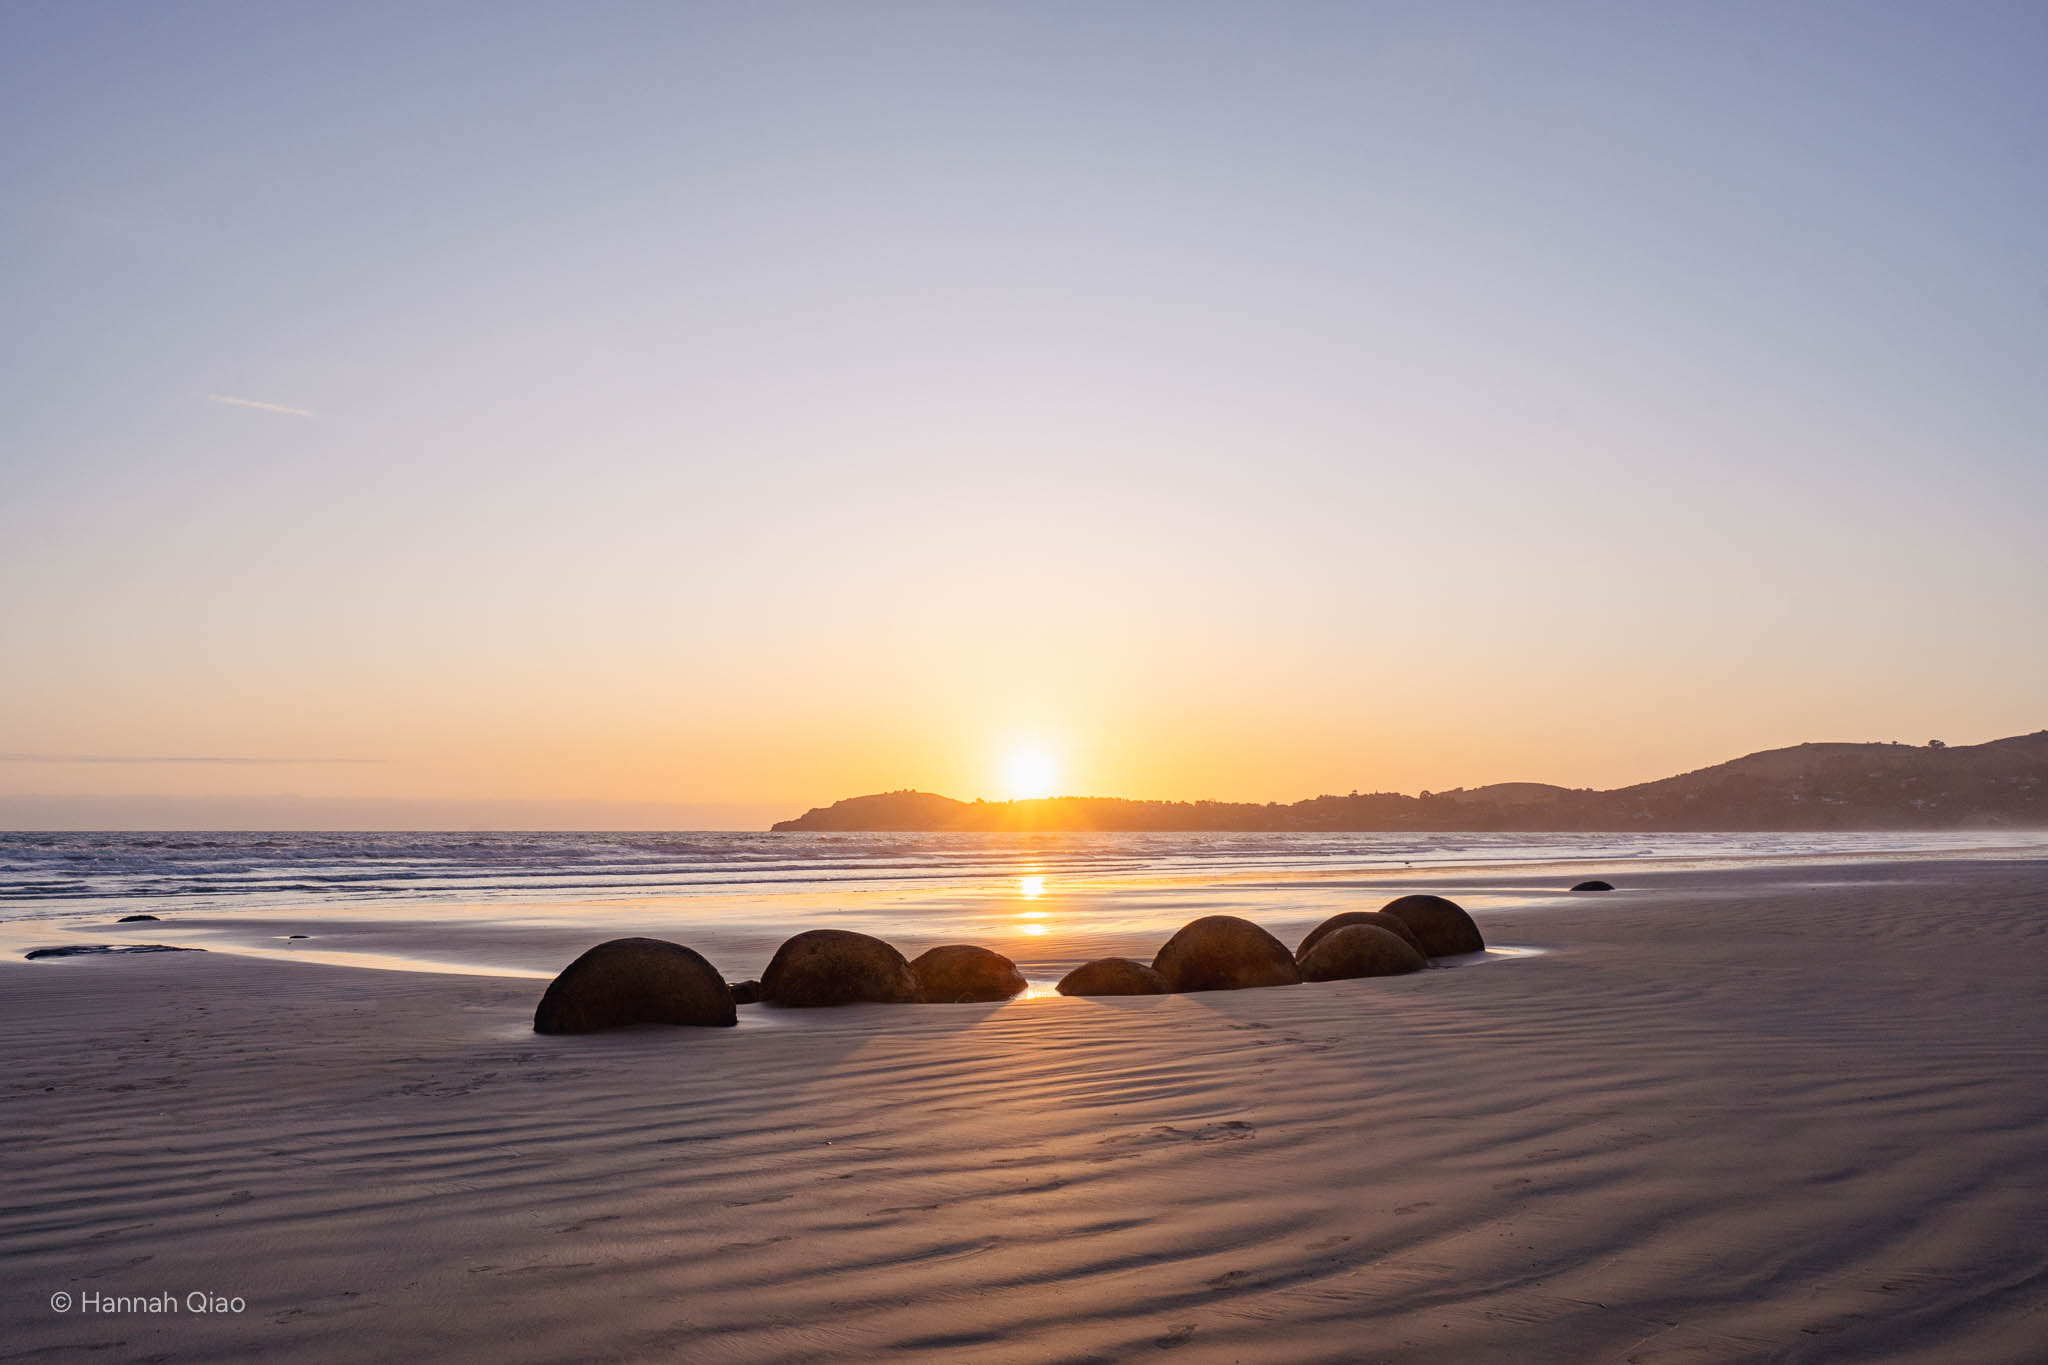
(607, 415)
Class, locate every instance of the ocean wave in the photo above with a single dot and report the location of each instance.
(57, 873)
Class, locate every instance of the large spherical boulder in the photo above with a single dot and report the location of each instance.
(1354, 950)
(634, 981)
(1380, 918)
(960, 973)
(1594, 886)
(838, 967)
(1442, 927)
(1112, 976)
(1224, 953)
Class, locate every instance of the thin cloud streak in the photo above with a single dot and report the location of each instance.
(218, 759)
(252, 403)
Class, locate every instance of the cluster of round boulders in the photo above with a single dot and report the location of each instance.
(838, 967)
(651, 981)
(1442, 927)
(1389, 942)
(1224, 953)
(635, 981)
(960, 973)
(1594, 886)
(1355, 950)
(1379, 919)
(1113, 976)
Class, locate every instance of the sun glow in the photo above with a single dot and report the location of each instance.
(1030, 774)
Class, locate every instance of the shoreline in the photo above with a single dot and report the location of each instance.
(1070, 918)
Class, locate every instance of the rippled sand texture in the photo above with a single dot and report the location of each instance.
(1725, 1117)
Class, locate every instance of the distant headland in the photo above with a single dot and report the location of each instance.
(2001, 784)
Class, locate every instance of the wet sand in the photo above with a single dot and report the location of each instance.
(1774, 1113)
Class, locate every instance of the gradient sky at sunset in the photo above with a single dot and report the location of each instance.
(735, 407)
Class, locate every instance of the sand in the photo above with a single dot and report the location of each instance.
(1778, 1113)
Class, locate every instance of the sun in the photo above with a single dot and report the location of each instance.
(1030, 774)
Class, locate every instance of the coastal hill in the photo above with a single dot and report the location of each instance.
(2003, 783)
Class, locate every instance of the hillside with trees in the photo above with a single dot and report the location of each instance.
(2001, 784)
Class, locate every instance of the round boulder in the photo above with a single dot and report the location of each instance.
(1397, 927)
(838, 967)
(1594, 886)
(634, 981)
(1442, 927)
(1112, 976)
(961, 973)
(746, 992)
(1224, 953)
(1354, 950)
(136, 919)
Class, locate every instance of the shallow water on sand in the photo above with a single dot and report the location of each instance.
(524, 904)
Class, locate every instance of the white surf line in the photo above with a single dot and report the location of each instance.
(386, 962)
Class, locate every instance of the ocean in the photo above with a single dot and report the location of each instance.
(523, 904)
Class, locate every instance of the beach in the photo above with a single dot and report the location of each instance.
(1781, 1111)
(608, 604)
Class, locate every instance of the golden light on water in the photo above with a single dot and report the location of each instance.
(1030, 887)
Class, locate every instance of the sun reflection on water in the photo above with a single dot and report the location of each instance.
(1030, 887)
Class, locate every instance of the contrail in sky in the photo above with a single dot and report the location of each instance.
(173, 758)
(252, 403)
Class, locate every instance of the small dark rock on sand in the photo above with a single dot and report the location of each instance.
(746, 993)
(1397, 927)
(1112, 976)
(635, 981)
(838, 967)
(1441, 926)
(960, 973)
(1594, 886)
(1224, 953)
(1356, 950)
(136, 919)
